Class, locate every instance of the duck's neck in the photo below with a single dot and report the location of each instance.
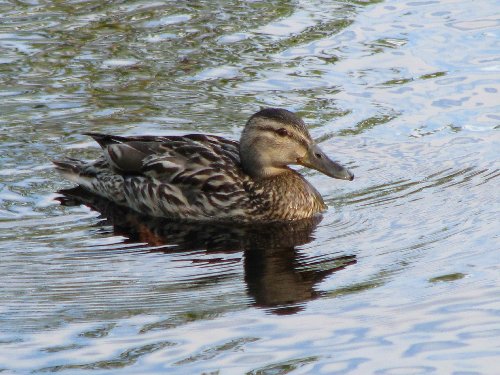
(290, 195)
(263, 173)
(259, 168)
(258, 162)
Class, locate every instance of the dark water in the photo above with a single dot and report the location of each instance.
(401, 276)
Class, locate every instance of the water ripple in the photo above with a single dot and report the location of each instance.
(400, 276)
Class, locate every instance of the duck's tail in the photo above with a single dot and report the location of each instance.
(75, 170)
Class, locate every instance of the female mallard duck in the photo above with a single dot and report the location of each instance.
(205, 177)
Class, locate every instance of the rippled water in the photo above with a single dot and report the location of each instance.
(401, 276)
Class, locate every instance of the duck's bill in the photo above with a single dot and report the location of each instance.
(318, 160)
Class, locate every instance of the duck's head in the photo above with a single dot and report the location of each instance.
(274, 138)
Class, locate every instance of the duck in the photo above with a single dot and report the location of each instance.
(202, 177)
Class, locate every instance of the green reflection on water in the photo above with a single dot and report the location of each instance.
(448, 277)
(284, 367)
(126, 358)
(368, 124)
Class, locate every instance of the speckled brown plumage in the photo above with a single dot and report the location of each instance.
(201, 177)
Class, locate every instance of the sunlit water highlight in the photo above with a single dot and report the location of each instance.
(401, 276)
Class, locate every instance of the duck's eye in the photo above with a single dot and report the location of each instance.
(282, 132)
(318, 155)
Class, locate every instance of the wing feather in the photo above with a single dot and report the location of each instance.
(195, 173)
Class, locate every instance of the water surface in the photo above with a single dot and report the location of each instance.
(401, 275)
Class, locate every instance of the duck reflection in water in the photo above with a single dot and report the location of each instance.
(276, 277)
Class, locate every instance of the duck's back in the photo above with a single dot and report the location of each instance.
(185, 177)
(193, 177)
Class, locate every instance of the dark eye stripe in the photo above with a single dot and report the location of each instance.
(282, 132)
(302, 141)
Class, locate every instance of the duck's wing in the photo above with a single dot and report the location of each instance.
(202, 161)
(105, 140)
(127, 154)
